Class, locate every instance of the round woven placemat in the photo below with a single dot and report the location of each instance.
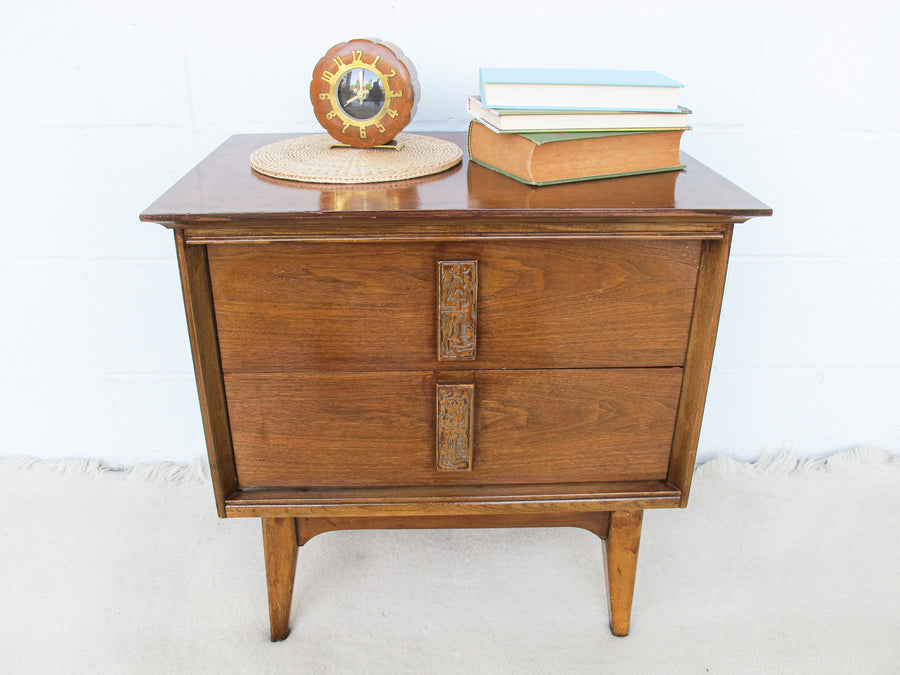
(312, 159)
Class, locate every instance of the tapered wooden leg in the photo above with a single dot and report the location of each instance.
(280, 545)
(621, 554)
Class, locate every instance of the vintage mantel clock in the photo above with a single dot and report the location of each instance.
(364, 92)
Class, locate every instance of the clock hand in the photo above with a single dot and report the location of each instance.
(362, 96)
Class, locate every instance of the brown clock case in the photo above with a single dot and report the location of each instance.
(394, 94)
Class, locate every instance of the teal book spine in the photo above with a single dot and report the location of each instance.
(618, 78)
(574, 89)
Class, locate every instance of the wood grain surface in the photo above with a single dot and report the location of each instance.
(280, 548)
(314, 313)
(223, 191)
(453, 501)
(201, 323)
(541, 304)
(620, 559)
(698, 364)
(596, 522)
(378, 429)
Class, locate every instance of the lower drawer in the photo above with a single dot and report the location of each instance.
(379, 429)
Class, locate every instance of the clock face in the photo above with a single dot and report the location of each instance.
(364, 92)
(360, 94)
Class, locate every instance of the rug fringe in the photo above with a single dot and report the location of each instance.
(167, 472)
(786, 462)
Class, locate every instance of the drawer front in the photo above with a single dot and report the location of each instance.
(382, 429)
(378, 306)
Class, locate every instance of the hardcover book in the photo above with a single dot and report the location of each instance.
(654, 190)
(549, 158)
(570, 88)
(516, 120)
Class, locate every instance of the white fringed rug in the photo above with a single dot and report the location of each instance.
(775, 567)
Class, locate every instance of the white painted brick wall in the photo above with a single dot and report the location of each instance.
(105, 104)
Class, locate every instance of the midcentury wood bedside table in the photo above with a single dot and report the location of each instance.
(459, 350)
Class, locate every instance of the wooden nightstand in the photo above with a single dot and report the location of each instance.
(453, 351)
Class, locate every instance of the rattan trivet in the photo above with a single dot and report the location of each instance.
(312, 159)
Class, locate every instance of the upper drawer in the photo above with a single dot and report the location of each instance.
(375, 306)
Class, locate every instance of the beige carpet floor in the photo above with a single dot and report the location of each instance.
(775, 567)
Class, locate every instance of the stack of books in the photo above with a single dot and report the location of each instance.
(547, 126)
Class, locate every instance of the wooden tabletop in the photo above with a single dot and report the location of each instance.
(223, 189)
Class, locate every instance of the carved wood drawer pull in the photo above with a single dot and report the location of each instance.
(457, 305)
(454, 427)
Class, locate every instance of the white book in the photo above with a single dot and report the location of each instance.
(519, 121)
